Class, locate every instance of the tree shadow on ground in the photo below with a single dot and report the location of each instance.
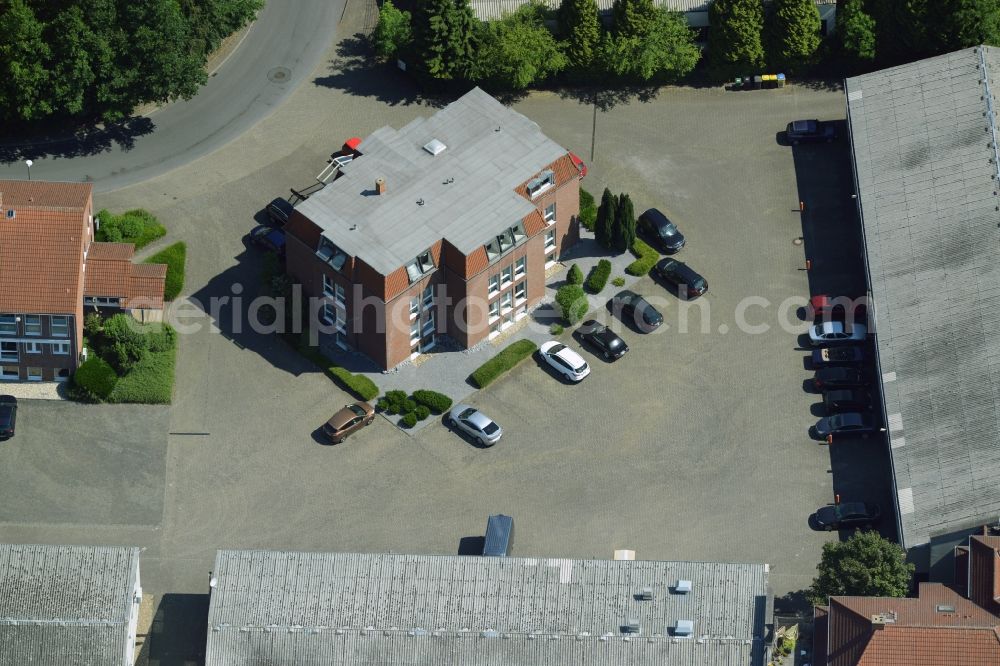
(793, 603)
(91, 139)
(606, 99)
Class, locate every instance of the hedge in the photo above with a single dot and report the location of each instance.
(438, 403)
(575, 275)
(647, 258)
(96, 377)
(174, 257)
(422, 412)
(409, 420)
(149, 382)
(503, 362)
(358, 385)
(572, 303)
(137, 226)
(598, 277)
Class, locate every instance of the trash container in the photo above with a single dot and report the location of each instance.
(737, 82)
(781, 80)
(757, 81)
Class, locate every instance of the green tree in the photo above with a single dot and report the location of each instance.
(24, 80)
(963, 23)
(580, 25)
(901, 29)
(518, 50)
(444, 38)
(666, 52)
(606, 211)
(734, 40)
(794, 28)
(856, 32)
(572, 302)
(865, 565)
(575, 275)
(634, 18)
(625, 223)
(127, 341)
(392, 34)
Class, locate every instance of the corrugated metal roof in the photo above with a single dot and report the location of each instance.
(281, 608)
(492, 10)
(66, 604)
(923, 153)
(465, 194)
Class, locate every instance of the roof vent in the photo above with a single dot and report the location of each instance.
(682, 587)
(882, 619)
(380, 186)
(10, 213)
(632, 626)
(684, 628)
(434, 147)
(645, 594)
(944, 608)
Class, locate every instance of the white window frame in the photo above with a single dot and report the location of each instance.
(550, 240)
(520, 268)
(8, 325)
(494, 287)
(36, 377)
(506, 302)
(340, 294)
(507, 276)
(523, 288)
(325, 314)
(494, 312)
(427, 297)
(550, 259)
(7, 375)
(60, 377)
(543, 183)
(550, 217)
(32, 347)
(60, 348)
(414, 332)
(37, 324)
(429, 326)
(328, 286)
(55, 328)
(7, 354)
(414, 306)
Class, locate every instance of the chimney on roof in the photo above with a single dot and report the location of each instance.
(879, 620)
(380, 186)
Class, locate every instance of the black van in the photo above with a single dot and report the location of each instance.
(499, 536)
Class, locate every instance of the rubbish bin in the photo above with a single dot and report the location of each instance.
(757, 81)
(737, 83)
(781, 80)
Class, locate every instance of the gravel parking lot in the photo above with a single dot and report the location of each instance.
(693, 446)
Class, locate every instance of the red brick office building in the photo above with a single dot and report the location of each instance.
(52, 272)
(445, 226)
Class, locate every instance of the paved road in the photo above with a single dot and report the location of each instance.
(278, 54)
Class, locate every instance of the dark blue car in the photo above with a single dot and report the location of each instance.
(833, 356)
(268, 238)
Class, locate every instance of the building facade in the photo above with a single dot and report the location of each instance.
(446, 226)
(52, 272)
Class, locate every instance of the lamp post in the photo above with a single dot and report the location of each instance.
(29, 163)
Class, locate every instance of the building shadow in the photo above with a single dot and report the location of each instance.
(862, 472)
(471, 545)
(88, 139)
(179, 631)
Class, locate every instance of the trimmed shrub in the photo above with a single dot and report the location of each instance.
(358, 385)
(96, 377)
(395, 401)
(572, 302)
(598, 277)
(382, 405)
(409, 420)
(422, 412)
(174, 257)
(438, 403)
(575, 275)
(503, 362)
(409, 405)
(647, 258)
(618, 281)
(588, 210)
(127, 341)
(138, 226)
(556, 329)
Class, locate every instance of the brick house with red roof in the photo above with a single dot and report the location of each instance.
(51, 268)
(445, 226)
(940, 627)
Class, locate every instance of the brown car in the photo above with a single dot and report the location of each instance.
(347, 420)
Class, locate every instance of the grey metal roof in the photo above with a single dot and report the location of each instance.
(467, 191)
(66, 604)
(492, 10)
(923, 147)
(284, 608)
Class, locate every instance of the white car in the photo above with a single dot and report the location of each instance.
(834, 332)
(475, 424)
(566, 361)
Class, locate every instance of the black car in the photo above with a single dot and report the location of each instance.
(830, 356)
(831, 378)
(268, 238)
(686, 280)
(810, 131)
(848, 514)
(846, 400)
(278, 211)
(603, 339)
(846, 424)
(8, 416)
(628, 304)
(661, 230)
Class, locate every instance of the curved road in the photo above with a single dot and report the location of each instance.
(280, 50)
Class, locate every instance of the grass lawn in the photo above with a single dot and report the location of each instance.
(173, 256)
(138, 227)
(150, 382)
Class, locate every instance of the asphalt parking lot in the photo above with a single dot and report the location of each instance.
(693, 446)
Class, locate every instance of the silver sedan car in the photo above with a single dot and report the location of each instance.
(475, 424)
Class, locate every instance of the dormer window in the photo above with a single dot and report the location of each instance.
(505, 241)
(538, 185)
(423, 264)
(331, 254)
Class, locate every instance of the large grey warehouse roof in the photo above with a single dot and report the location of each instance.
(308, 609)
(924, 148)
(66, 604)
(465, 193)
